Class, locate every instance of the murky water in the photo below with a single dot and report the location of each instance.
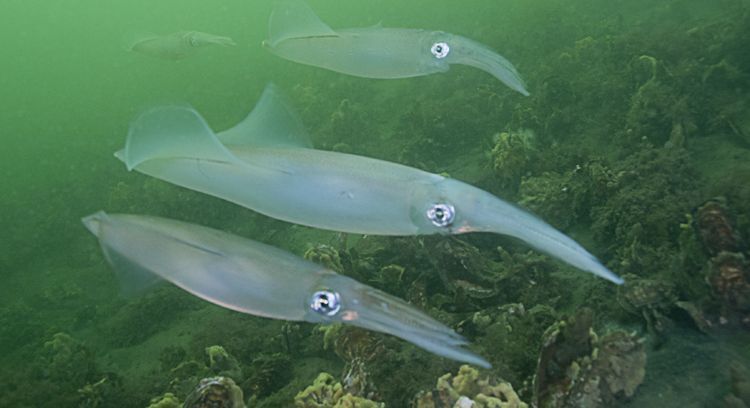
(634, 141)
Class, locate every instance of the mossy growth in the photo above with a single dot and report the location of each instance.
(326, 392)
(641, 219)
(266, 374)
(167, 400)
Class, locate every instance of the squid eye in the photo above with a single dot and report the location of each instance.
(440, 50)
(441, 215)
(325, 302)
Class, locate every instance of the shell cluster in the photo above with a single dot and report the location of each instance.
(729, 270)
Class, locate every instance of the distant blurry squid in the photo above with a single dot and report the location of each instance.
(177, 45)
(297, 34)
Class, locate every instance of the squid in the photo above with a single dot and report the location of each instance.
(250, 277)
(297, 34)
(266, 163)
(177, 45)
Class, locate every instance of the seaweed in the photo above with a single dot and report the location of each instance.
(637, 119)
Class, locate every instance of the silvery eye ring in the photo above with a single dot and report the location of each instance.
(325, 302)
(440, 50)
(441, 215)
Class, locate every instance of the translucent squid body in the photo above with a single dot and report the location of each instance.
(250, 277)
(177, 45)
(297, 34)
(265, 163)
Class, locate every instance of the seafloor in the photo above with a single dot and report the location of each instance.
(635, 141)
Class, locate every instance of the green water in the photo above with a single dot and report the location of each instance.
(639, 112)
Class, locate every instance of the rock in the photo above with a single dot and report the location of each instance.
(215, 392)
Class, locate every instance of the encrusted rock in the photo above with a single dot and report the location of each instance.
(468, 389)
(577, 368)
(326, 392)
(215, 392)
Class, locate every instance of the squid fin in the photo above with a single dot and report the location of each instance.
(133, 278)
(295, 19)
(272, 123)
(130, 39)
(169, 132)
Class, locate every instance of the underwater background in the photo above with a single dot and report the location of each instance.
(635, 141)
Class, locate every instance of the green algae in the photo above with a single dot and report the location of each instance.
(638, 114)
